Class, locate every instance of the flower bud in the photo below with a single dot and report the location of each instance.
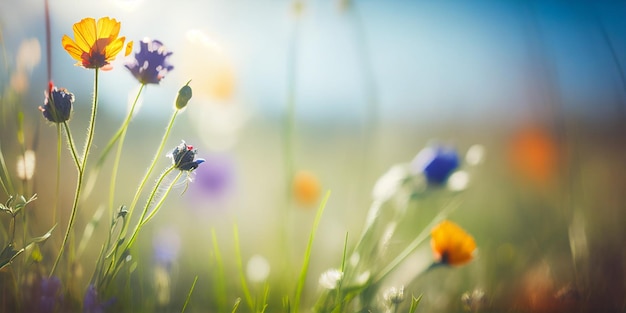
(184, 94)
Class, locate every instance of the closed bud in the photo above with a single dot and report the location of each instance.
(184, 94)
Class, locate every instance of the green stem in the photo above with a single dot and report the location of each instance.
(142, 184)
(81, 170)
(148, 203)
(292, 64)
(8, 187)
(161, 201)
(58, 182)
(92, 121)
(193, 285)
(143, 219)
(120, 147)
(454, 203)
(133, 204)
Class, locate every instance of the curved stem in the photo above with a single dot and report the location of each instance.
(107, 276)
(142, 184)
(81, 171)
(120, 146)
(160, 203)
(142, 219)
(115, 266)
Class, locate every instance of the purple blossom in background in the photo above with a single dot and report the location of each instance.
(436, 163)
(49, 295)
(92, 303)
(215, 178)
(166, 244)
(150, 64)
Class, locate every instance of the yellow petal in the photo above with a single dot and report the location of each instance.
(113, 48)
(129, 48)
(108, 28)
(85, 33)
(72, 49)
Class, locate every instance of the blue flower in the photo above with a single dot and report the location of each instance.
(183, 157)
(57, 104)
(150, 64)
(436, 163)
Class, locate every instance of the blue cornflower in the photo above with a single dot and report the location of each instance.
(436, 163)
(150, 64)
(183, 157)
(57, 104)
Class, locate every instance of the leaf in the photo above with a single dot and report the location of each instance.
(237, 301)
(8, 254)
(414, 303)
(44, 237)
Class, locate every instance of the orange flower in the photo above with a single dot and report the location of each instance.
(306, 188)
(96, 45)
(451, 244)
(534, 153)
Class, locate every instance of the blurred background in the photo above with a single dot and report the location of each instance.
(539, 84)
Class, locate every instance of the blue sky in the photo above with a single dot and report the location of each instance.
(421, 59)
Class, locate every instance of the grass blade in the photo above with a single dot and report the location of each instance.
(307, 256)
(193, 285)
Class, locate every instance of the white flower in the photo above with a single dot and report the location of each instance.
(331, 278)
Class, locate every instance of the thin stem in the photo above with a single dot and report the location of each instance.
(142, 184)
(290, 117)
(92, 122)
(193, 285)
(133, 204)
(81, 171)
(120, 147)
(454, 203)
(58, 182)
(8, 187)
(161, 201)
(143, 218)
(72, 145)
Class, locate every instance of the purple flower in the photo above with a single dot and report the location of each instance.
(436, 163)
(150, 64)
(92, 303)
(49, 294)
(183, 157)
(216, 177)
(57, 104)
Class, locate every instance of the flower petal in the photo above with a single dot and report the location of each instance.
(85, 33)
(108, 28)
(72, 48)
(129, 48)
(113, 48)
